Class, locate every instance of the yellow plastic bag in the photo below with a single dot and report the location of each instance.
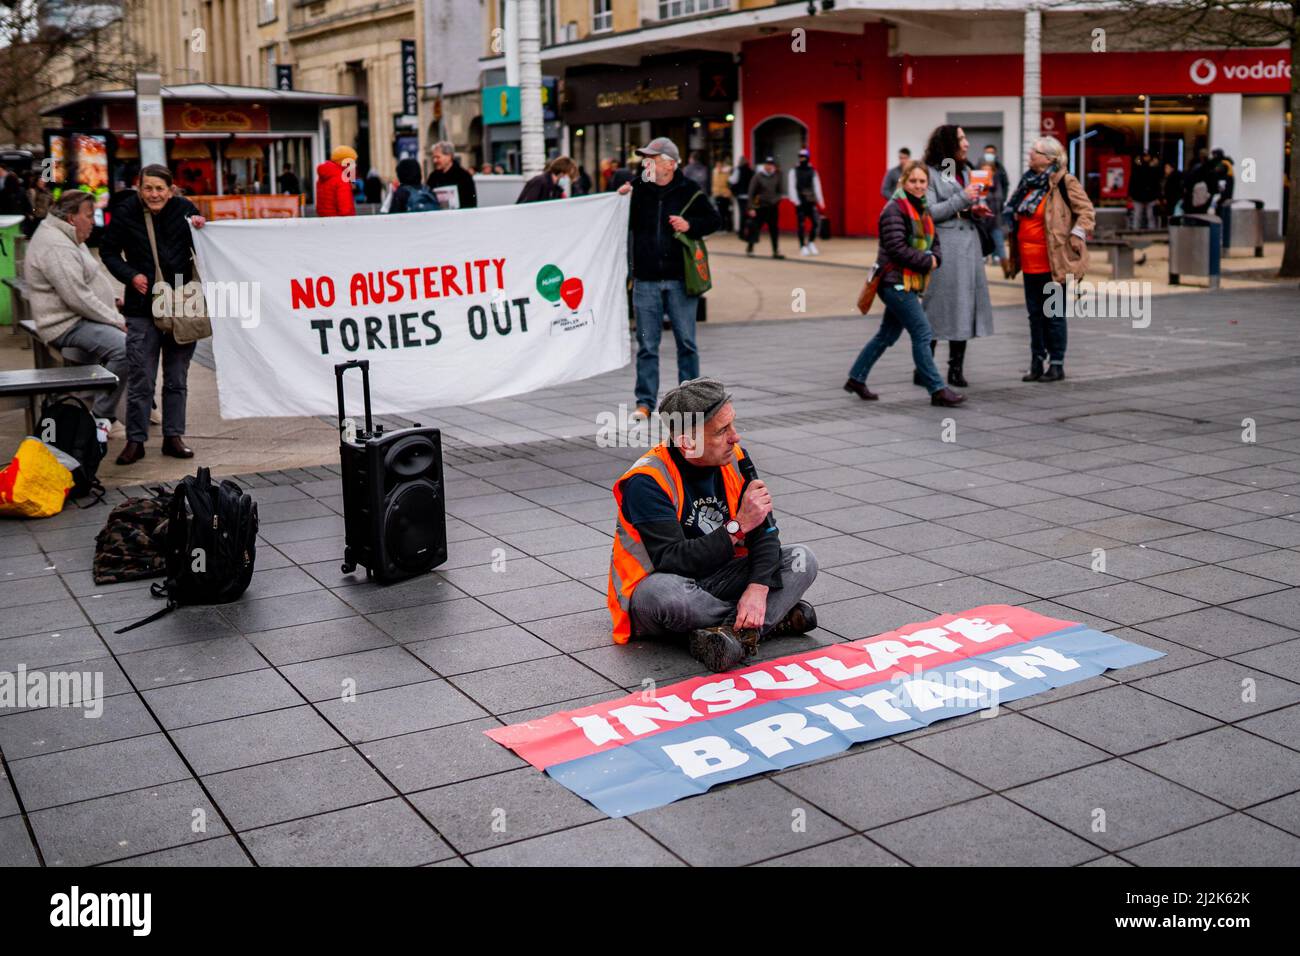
(35, 484)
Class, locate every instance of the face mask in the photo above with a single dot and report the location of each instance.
(564, 182)
(990, 157)
(647, 172)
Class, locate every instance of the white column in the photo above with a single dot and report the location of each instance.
(1032, 97)
(531, 134)
(1225, 123)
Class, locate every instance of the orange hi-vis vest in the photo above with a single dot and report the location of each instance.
(630, 561)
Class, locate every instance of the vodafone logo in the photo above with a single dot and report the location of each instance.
(1203, 71)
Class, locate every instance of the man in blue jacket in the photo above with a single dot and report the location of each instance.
(659, 211)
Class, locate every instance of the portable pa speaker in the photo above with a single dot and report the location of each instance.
(394, 505)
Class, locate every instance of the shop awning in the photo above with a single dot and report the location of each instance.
(212, 93)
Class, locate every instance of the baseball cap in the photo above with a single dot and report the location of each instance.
(661, 146)
(804, 152)
(770, 159)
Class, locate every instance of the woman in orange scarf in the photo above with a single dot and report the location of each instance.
(909, 254)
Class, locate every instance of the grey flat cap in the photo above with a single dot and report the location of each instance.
(699, 396)
(661, 146)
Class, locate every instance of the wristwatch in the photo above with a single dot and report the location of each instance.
(733, 529)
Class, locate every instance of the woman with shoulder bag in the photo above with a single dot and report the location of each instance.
(1049, 217)
(146, 244)
(909, 255)
(957, 302)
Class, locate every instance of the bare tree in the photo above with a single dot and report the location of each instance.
(52, 50)
(1229, 23)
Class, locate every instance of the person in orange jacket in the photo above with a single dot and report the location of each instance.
(334, 179)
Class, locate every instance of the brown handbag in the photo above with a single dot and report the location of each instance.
(868, 293)
(182, 313)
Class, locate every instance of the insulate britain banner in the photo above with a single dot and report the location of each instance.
(450, 307)
(644, 751)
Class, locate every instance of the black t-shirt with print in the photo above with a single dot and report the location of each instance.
(698, 544)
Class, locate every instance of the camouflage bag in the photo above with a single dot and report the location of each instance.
(130, 546)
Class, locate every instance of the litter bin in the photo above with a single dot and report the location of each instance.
(1243, 225)
(10, 233)
(1195, 244)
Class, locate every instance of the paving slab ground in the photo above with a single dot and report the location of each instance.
(225, 736)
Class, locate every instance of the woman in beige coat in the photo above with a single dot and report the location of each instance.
(1050, 217)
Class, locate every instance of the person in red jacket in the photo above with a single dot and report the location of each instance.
(334, 183)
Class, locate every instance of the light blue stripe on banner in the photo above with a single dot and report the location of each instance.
(684, 761)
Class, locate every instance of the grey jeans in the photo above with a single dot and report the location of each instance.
(671, 604)
(144, 343)
(106, 344)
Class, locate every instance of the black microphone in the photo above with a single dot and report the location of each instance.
(750, 473)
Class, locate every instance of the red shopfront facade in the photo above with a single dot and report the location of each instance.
(853, 106)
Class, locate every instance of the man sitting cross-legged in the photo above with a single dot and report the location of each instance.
(692, 552)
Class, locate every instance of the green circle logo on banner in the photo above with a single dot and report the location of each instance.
(549, 280)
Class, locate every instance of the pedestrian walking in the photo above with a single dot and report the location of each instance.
(152, 217)
(889, 185)
(411, 195)
(288, 181)
(1171, 192)
(765, 194)
(625, 174)
(721, 184)
(740, 179)
(451, 182)
(334, 183)
(957, 300)
(553, 182)
(374, 187)
(698, 173)
(1050, 218)
(1145, 191)
(908, 259)
(805, 189)
(996, 197)
(664, 203)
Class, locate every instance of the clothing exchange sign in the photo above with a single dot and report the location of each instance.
(450, 307)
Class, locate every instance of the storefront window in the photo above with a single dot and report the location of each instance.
(670, 9)
(1103, 136)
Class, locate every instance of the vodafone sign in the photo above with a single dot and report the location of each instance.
(1204, 71)
(1167, 72)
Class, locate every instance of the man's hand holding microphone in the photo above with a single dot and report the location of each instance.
(755, 506)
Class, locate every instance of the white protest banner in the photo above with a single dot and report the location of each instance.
(450, 307)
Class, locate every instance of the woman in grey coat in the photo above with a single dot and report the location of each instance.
(957, 300)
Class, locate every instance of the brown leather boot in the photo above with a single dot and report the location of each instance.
(132, 452)
(860, 389)
(947, 398)
(174, 446)
(800, 619)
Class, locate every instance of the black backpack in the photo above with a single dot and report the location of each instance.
(211, 544)
(130, 545)
(66, 423)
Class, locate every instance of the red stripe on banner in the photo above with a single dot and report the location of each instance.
(571, 734)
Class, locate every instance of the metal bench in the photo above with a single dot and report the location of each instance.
(1122, 256)
(31, 384)
(18, 300)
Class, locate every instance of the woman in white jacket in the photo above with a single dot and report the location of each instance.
(72, 297)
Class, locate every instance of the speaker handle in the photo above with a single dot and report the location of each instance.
(339, 369)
